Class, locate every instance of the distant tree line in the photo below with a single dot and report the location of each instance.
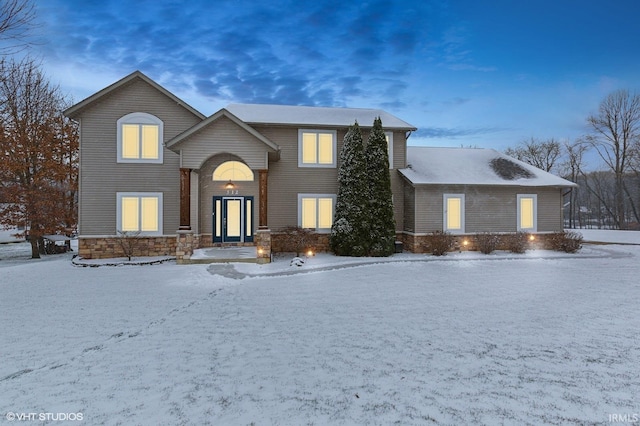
(608, 197)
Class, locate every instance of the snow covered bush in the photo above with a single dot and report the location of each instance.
(566, 241)
(517, 242)
(297, 261)
(487, 242)
(439, 243)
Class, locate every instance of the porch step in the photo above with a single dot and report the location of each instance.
(226, 254)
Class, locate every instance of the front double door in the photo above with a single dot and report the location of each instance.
(232, 219)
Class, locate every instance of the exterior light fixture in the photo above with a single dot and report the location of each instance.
(532, 237)
(260, 250)
(230, 185)
(309, 253)
(465, 243)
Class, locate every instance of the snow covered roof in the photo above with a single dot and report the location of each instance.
(314, 116)
(474, 166)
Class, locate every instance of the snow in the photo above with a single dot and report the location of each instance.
(314, 116)
(468, 166)
(609, 236)
(538, 338)
(8, 235)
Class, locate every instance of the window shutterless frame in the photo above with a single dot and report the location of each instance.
(315, 211)
(140, 139)
(453, 213)
(317, 148)
(527, 213)
(139, 212)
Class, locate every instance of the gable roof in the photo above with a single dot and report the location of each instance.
(315, 116)
(221, 113)
(77, 109)
(474, 166)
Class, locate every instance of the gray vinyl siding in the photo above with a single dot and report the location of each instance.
(287, 180)
(102, 177)
(223, 136)
(409, 203)
(487, 208)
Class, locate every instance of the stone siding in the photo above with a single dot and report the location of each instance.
(109, 247)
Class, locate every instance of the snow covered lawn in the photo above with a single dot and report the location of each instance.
(539, 338)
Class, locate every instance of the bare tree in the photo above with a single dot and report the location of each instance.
(129, 242)
(571, 170)
(615, 131)
(38, 147)
(541, 154)
(16, 21)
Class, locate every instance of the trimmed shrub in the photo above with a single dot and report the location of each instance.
(487, 242)
(298, 240)
(568, 242)
(517, 243)
(439, 243)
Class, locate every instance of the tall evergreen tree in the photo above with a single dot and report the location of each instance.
(349, 234)
(382, 225)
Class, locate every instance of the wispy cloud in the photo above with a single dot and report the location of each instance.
(281, 52)
(456, 54)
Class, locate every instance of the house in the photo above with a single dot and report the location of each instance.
(150, 163)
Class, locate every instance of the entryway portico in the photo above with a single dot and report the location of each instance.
(223, 185)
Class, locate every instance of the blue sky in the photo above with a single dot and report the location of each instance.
(468, 72)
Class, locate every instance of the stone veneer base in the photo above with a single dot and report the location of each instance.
(109, 247)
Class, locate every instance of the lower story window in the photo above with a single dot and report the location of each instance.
(139, 212)
(453, 217)
(527, 212)
(316, 211)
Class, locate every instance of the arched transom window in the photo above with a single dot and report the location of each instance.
(233, 170)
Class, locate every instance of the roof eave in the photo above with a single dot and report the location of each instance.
(74, 111)
(223, 112)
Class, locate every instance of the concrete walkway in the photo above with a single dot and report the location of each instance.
(224, 255)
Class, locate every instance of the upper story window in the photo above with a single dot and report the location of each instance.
(316, 148)
(234, 171)
(140, 138)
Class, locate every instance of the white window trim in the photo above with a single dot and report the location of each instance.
(535, 213)
(390, 148)
(245, 170)
(334, 197)
(140, 118)
(445, 224)
(120, 195)
(334, 137)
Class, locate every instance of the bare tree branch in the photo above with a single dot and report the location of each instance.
(16, 22)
